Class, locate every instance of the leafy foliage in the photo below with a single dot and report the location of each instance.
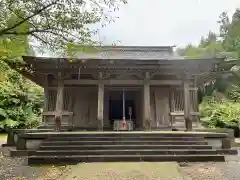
(226, 45)
(221, 104)
(20, 101)
(29, 24)
(55, 23)
(220, 115)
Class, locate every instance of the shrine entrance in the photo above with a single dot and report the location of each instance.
(122, 106)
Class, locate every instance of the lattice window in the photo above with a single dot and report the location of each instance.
(194, 100)
(178, 101)
(52, 99)
(52, 95)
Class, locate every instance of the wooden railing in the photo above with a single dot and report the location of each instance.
(49, 116)
(177, 105)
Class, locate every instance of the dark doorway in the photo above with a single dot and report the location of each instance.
(115, 109)
(116, 106)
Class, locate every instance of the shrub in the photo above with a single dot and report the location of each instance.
(20, 102)
(220, 115)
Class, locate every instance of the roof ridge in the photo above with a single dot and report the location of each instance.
(132, 48)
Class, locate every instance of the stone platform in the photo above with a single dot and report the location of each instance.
(50, 147)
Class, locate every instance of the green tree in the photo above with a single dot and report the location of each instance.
(225, 45)
(20, 99)
(230, 32)
(54, 23)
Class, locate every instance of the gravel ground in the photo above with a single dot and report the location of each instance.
(229, 170)
(17, 169)
(124, 171)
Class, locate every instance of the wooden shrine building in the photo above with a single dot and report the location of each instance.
(148, 86)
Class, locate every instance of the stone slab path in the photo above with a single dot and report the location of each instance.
(125, 171)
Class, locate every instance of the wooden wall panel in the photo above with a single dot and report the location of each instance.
(106, 121)
(162, 107)
(85, 108)
(139, 111)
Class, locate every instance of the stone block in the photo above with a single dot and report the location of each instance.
(226, 143)
(21, 143)
(10, 138)
(33, 144)
(216, 143)
(21, 153)
(15, 137)
(230, 133)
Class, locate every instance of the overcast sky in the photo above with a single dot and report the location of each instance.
(165, 22)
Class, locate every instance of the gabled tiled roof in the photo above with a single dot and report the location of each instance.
(128, 52)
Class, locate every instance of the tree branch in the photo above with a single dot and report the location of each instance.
(24, 33)
(40, 39)
(4, 31)
(37, 31)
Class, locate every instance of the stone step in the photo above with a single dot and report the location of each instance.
(124, 142)
(71, 159)
(121, 147)
(136, 152)
(96, 138)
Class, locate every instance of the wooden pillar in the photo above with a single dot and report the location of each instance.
(70, 107)
(100, 113)
(46, 98)
(187, 106)
(59, 103)
(146, 104)
(172, 105)
(197, 108)
(46, 95)
(45, 106)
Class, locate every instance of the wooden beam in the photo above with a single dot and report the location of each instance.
(100, 113)
(172, 104)
(146, 105)
(181, 113)
(46, 98)
(190, 88)
(146, 102)
(46, 93)
(165, 82)
(187, 113)
(53, 113)
(59, 103)
(121, 82)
